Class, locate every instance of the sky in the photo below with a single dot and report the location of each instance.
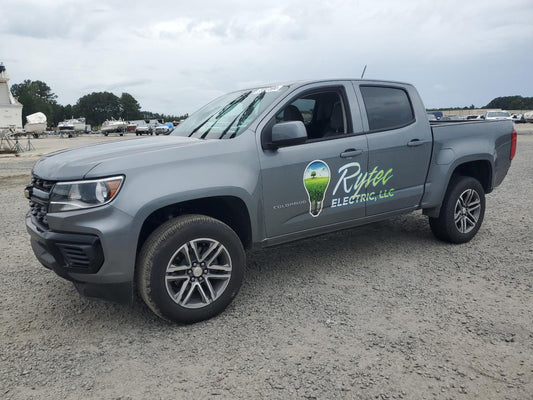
(320, 169)
(174, 56)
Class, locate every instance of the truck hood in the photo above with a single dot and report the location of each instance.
(76, 163)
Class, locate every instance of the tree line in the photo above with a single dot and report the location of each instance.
(503, 103)
(96, 107)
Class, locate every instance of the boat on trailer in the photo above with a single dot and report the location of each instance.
(72, 125)
(113, 125)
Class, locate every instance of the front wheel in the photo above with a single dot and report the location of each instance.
(190, 268)
(462, 211)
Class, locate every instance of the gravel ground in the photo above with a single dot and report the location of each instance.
(383, 311)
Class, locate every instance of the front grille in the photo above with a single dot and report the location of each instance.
(39, 212)
(39, 199)
(42, 184)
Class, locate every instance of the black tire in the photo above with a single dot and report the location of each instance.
(463, 226)
(167, 248)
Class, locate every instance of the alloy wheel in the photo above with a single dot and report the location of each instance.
(198, 273)
(467, 211)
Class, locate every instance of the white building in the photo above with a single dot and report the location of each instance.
(10, 108)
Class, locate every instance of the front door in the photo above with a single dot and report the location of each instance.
(311, 185)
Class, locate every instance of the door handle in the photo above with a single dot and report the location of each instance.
(351, 153)
(415, 142)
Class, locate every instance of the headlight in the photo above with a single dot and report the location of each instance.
(67, 196)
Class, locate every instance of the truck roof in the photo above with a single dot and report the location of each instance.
(299, 83)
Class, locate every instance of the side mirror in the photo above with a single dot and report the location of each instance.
(288, 133)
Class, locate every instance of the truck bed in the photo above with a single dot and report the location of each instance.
(453, 142)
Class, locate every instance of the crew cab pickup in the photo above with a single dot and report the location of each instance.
(172, 216)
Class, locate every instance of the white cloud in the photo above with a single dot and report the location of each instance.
(175, 56)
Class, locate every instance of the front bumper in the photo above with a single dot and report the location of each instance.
(67, 252)
(82, 258)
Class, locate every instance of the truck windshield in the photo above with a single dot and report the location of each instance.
(229, 115)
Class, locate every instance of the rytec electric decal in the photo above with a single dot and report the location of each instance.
(352, 180)
(316, 181)
(350, 183)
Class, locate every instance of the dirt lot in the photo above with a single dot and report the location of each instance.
(384, 311)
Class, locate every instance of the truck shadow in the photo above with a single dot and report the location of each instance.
(345, 252)
(370, 241)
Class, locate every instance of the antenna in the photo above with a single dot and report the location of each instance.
(364, 70)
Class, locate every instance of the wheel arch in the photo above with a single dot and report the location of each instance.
(479, 169)
(230, 210)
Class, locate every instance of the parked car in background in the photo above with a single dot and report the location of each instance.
(164, 129)
(146, 126)
(496, 114)
(143, 130)
(437, 114)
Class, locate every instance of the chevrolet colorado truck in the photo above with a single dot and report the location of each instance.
(170, 217)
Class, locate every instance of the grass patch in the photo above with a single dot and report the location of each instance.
(316, 187)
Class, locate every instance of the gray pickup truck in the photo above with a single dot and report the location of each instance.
(172, 216)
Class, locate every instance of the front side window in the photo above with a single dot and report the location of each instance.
(386, 107)
(229, 115)
(323, 114)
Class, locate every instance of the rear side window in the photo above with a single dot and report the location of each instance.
(387, 108)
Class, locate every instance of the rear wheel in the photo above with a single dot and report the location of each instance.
(190, 268)
(462, 211)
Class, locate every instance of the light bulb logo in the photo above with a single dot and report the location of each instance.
(316, 182)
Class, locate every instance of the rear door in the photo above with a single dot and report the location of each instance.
(399, 147)
(310, 185)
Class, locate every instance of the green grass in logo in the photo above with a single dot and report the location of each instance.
(315, 187)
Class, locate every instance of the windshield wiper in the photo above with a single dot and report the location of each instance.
(244, 115)
(226, 108)
(198, 127)
(232, 104)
